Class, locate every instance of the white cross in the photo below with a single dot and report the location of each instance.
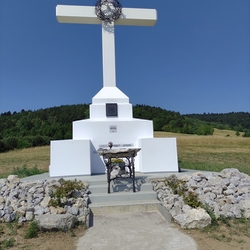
(86, 15)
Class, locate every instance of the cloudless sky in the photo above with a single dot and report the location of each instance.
(195, 59)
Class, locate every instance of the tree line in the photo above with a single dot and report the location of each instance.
(170, 121)
(37, 128)
(237, 121)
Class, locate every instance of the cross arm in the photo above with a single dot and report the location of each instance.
(86, 15)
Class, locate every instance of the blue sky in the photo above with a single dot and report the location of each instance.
(195, 59)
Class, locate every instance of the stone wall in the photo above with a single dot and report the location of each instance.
(28, 200)
(226, 193)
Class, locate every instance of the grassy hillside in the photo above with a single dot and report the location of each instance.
(38, 156)
(214, 152)
(221, 150)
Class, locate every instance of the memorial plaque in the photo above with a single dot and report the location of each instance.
(113, 129)
(111, 110)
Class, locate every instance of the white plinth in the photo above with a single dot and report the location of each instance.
(110, 95)
(98, 111)
(69, 158)
(157, 155)
(124, 133)
(79, 156)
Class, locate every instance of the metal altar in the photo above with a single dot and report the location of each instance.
(114, 171)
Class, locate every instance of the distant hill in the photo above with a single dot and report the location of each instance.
(37, 128)
(237, 121)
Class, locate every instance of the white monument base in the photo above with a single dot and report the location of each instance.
(124, 133)
(79, 156)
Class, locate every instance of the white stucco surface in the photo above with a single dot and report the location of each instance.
(158, 155)
(70, 157)
(86, 15)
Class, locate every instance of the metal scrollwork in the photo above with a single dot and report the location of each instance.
(108, 10)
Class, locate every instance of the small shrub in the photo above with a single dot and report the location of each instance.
(246, 133)
(32, 231)
(223, 238)
(7, 243)
(209, 210)
(225, 220)
(242, 220)
(24, 171)
(1, 230)
(12, 226)
(192, 200)
(240, 241)
(72, 233)
(179, 187)
(68, 189)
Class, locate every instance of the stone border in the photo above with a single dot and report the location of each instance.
(29, 200)
(226, 193)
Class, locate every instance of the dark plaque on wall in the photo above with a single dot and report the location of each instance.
(111, 110)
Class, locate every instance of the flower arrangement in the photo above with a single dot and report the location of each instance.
(110, 144)
(116, 160)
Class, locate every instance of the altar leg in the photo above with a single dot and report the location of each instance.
(133, 170)
(108, 174)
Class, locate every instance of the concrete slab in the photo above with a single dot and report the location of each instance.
(103, 177)
(143, 230)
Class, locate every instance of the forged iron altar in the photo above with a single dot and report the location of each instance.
(129, 154)
(108, 10)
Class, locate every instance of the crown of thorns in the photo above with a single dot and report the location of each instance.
(111, 16)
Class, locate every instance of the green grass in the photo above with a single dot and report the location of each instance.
(226, 230)
(203, 166)
(32, 231)
(7, 243)
(30, 157)
(23, 172)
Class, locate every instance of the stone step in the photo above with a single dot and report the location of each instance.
(121, 196)
(122, 199)
(103, 208)
(119, 187)
(139, 180)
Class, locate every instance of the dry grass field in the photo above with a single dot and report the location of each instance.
(222, 150)
(38, 156)
(214, 152)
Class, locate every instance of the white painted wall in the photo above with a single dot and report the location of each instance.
(157, 155)
(99, 131)
(70, 158)
(79, 156)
